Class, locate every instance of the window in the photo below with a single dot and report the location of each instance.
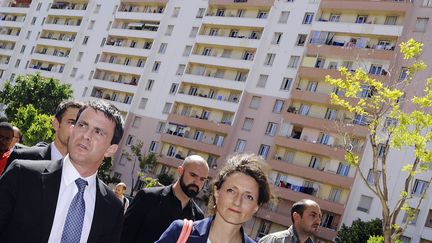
(361, 19)
(375, 69)
(213, 32)
(80, 55)
(129, 140)
(38, 6)
(33, 20)
(97, 9)
(390, 20)
(264, 229)
(247, 124)
(360, 120)
(240, 146)
(91, 25)
(404, 73)
(419, 187)
(160, 127)
(153, 147)
(370, 176)
(381, 150)
(269, 59)
(167, 108)
(156, 66)
(73, 73)
(176, 12)
(90, 75)
(335, 194)
(240, 76)
(143, 103)
(331, 114)
(86, 38)
(420, 25)
(312, 86)
(411, 215)
(194, 32)
(200, 13)
(301, 40)
(162, 48)
(180, 69)
(271, 129)
(286, 84)
(149, 84)
(109, 25)
(283, 18)
(428, 222)
(136, 122)
(293, 61)
(263, 150)
(304, 110)
(343, 169)
(23, 47)
(277, 36)
(28, 35)
(96, 58)
(187, 51)
(277, 108)
(262, 81)
(307, 19)
(173, 88)
(255, 102)
(405, 239)
(334, 18)
(169, 30)
(427, 3)
(364, 203)
(262, 14)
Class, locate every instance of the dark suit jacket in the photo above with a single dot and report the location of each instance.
(29, 191)
(30, 153)
(199, 234)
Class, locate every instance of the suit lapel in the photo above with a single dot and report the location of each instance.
(99, 212)
(50, 188)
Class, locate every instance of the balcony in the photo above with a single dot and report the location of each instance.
(125, 50)
(358, 28)
(11, 23)
(199, 123)
(336, 152)
(139, 16)
(111, 84)
(144, 34)
(123, 107)
(169, 161)
(212, 80)
(348, 51)
(311, 173)
(14, 10)
(4, 65)
(66, 12)
(235, 21)
(367, 5)
(6, 51)
(218, 60)
(116, 67)
(242, 3)
(44, 72)
(50, 58)
(239, 41)
(192, 144)
(66, 42)
(206, 102)
(61, 27)
(320, 74)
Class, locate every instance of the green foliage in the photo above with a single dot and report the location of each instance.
(150, 182)
(104, 171)
(43, 93)
(165, 179)
(376, 239)
(359, 231)
(149, 160)
(35, 127)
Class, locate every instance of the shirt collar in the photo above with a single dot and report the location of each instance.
(70, 174)
(55, 153)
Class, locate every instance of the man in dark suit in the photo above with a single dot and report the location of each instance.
(39, 199)
(64, 118)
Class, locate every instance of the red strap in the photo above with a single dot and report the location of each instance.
(185, 232)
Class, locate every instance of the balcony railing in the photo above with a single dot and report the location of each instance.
(141, 9)
(233, 99)
(68, 6)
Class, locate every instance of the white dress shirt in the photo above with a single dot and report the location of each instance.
(67, 191)
(55, 153)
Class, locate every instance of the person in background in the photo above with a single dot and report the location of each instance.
(240, 188)
(119, 191)
(6, 137)
(64, 119)
(306, 217)
(17, 139)
(153, 209)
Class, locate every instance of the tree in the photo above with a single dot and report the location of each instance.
(104, 171)
(359, 231)
(390, 127)
(43, 93)
(144, 160)
(35, 127)
(165, 179)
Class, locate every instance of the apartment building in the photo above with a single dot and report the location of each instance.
(222, 76)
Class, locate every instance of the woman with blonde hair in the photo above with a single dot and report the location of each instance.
(240, 188)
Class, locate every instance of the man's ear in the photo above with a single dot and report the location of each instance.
(296, 217)
(180, 170)
(55, 123)
(111, 150)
